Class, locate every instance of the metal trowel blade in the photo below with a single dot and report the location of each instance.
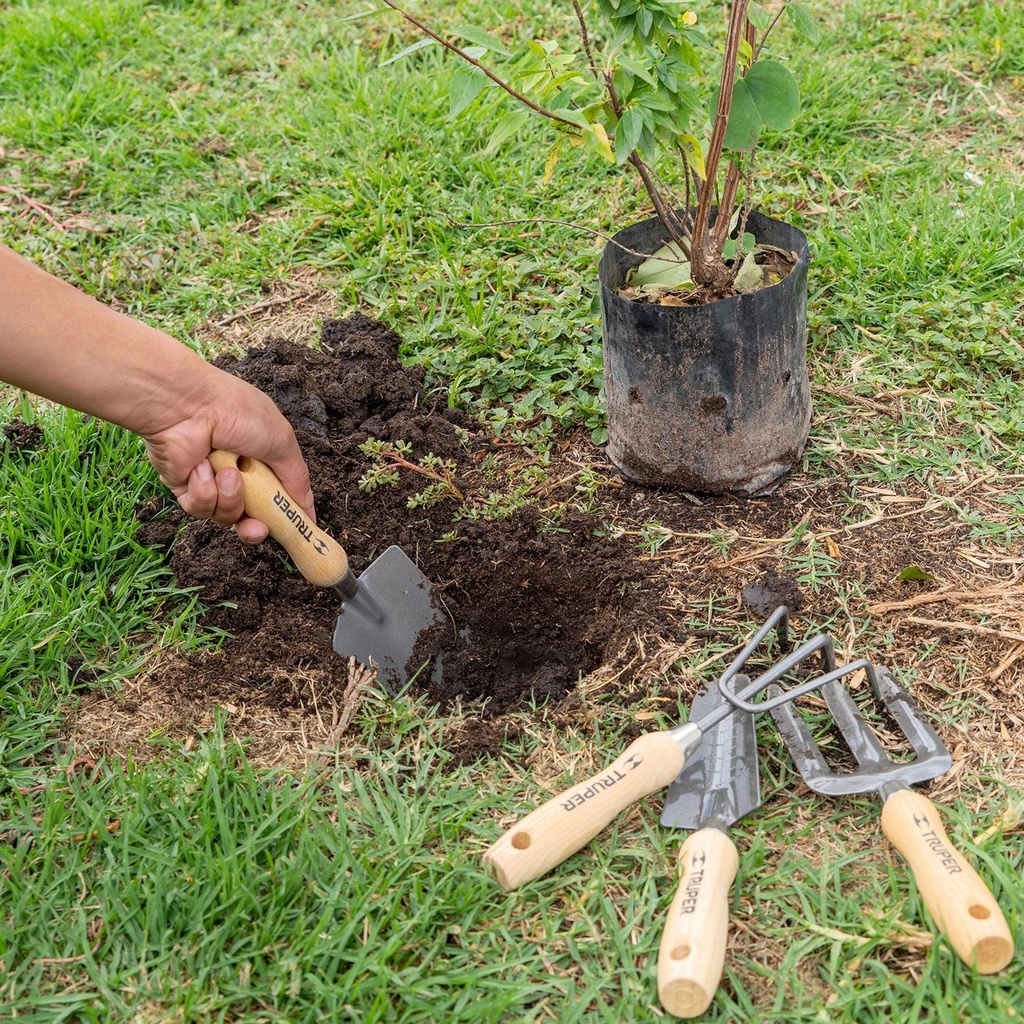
(720, 782)
(383, 623)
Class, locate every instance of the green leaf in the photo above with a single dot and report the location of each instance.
(418, 45)
(729, 249)
(758, 17)
(627, 134)
(775, 92)
(576, 116)
(766, 97)
(644, 21)
(481, 38)
(667, 268)
(744, 127)
(509, 124)
(914, 572)
(467, 83)
(803, 21)
(637, 68)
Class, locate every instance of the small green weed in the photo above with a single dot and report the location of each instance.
(390, 457)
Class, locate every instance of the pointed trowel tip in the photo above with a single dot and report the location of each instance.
(389, 619)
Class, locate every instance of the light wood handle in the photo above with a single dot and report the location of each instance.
(320, 558)
(956, 897)
(567, 822)
(692, 950)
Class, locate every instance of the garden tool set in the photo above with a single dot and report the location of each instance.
(567, 822)
(384, 611)
(711, 763)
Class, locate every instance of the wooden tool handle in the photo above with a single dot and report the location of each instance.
(320, 558)
(692, 950)
(567, 822)
(956, 897)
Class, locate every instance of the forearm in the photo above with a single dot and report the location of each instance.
(61, 344)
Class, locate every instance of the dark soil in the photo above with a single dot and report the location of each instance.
(19, 436)
(536, 599)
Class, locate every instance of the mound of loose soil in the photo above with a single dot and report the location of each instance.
(533, 605)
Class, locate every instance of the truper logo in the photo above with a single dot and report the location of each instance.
(692, 883)
(600, 785)
(300, 524)
(937, 845)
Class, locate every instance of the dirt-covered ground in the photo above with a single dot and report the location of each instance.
(573, 581)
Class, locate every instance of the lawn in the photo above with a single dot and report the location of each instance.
(238, 172)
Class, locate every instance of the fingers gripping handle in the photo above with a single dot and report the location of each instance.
(320, 558)
(692, 950)
(566, 823)
(956, 897)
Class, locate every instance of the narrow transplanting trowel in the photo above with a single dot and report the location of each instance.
(384, 611)
(716, 787)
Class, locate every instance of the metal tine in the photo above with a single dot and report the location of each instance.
(810, 761)
(855, 729)
(822, 642)
(909, 717)
(874, 763)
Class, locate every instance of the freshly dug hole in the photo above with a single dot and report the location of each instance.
(532, 605)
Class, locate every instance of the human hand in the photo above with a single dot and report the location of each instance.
(227, 413)
(125, 371)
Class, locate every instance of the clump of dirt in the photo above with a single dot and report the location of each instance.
(472, 739)
(20, 436)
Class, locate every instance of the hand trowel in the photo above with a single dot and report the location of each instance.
(716, 787)
(384, 611)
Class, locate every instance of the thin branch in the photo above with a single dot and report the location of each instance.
(768, 30)
(737, 23)
(665, 213)
(525, 100)
(585, 39)
(732, 174)
(561, 223)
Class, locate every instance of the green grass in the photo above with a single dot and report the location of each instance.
(196, 153)
(82, 599)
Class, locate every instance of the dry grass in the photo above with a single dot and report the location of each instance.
(149, 713)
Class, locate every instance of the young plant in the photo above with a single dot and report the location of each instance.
(658, 86)
(390, 457)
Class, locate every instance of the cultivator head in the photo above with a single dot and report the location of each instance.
(876, 770)
(739, 695)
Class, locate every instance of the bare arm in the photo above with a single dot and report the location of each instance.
(61, 344)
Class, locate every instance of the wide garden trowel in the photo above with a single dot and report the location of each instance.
(716, 787)
(384, 611)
